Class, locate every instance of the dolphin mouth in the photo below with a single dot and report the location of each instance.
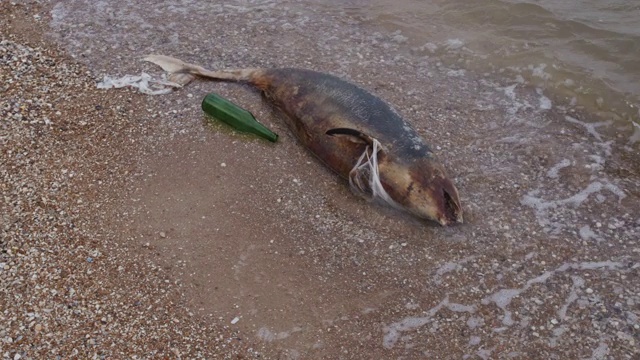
(452, 212)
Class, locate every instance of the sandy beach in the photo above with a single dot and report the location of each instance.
(134, 229)
(71, 288)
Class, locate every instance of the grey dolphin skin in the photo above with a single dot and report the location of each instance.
(353, 132)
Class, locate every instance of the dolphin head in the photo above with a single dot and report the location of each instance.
(419, 185)
(423, 189)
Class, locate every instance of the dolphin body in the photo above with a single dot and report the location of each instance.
(354, 133)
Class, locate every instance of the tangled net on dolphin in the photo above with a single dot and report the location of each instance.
(364, 178)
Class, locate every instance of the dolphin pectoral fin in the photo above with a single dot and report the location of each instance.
(352, 134)
(359, 138)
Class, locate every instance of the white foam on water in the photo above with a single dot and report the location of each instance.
(538, 71)
(393, 332)
(512, 104)
(557, 333)
(514, 139)
(449, 267)
(454, 44)
(635, 137)
(600, 353)
(58, 13)
(267, 335)
(593, 265)
(587, 234)
(456, 73)
(474, 322)
(545, 102)
(598, 162)
(503, 298)
(474, 340)
(590, 127)
(455, 307)
(431, 47)
(553, 172)
(606, 146)
(411, 306)
(515, 105)
(485, 353)
(578, 283)
(510, 91)
(541, 206)
(245, 9)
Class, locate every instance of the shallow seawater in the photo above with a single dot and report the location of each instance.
(530, 110)
(585, 53)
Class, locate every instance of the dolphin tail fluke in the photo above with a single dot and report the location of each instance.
(183, 73)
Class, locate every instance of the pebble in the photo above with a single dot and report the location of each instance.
(49, 166)
(91, 304)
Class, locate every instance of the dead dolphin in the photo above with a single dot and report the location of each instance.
(353, 132)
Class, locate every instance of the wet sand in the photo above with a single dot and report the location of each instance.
(70, 284)
(261, 243)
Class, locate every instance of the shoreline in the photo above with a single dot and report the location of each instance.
(276, 240)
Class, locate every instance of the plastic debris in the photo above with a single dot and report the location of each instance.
(364, 178)
(143, 82)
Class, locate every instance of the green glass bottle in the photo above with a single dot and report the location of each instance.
(235, 116)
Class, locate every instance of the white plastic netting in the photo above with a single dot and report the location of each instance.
(143, 82)
(364, 178)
